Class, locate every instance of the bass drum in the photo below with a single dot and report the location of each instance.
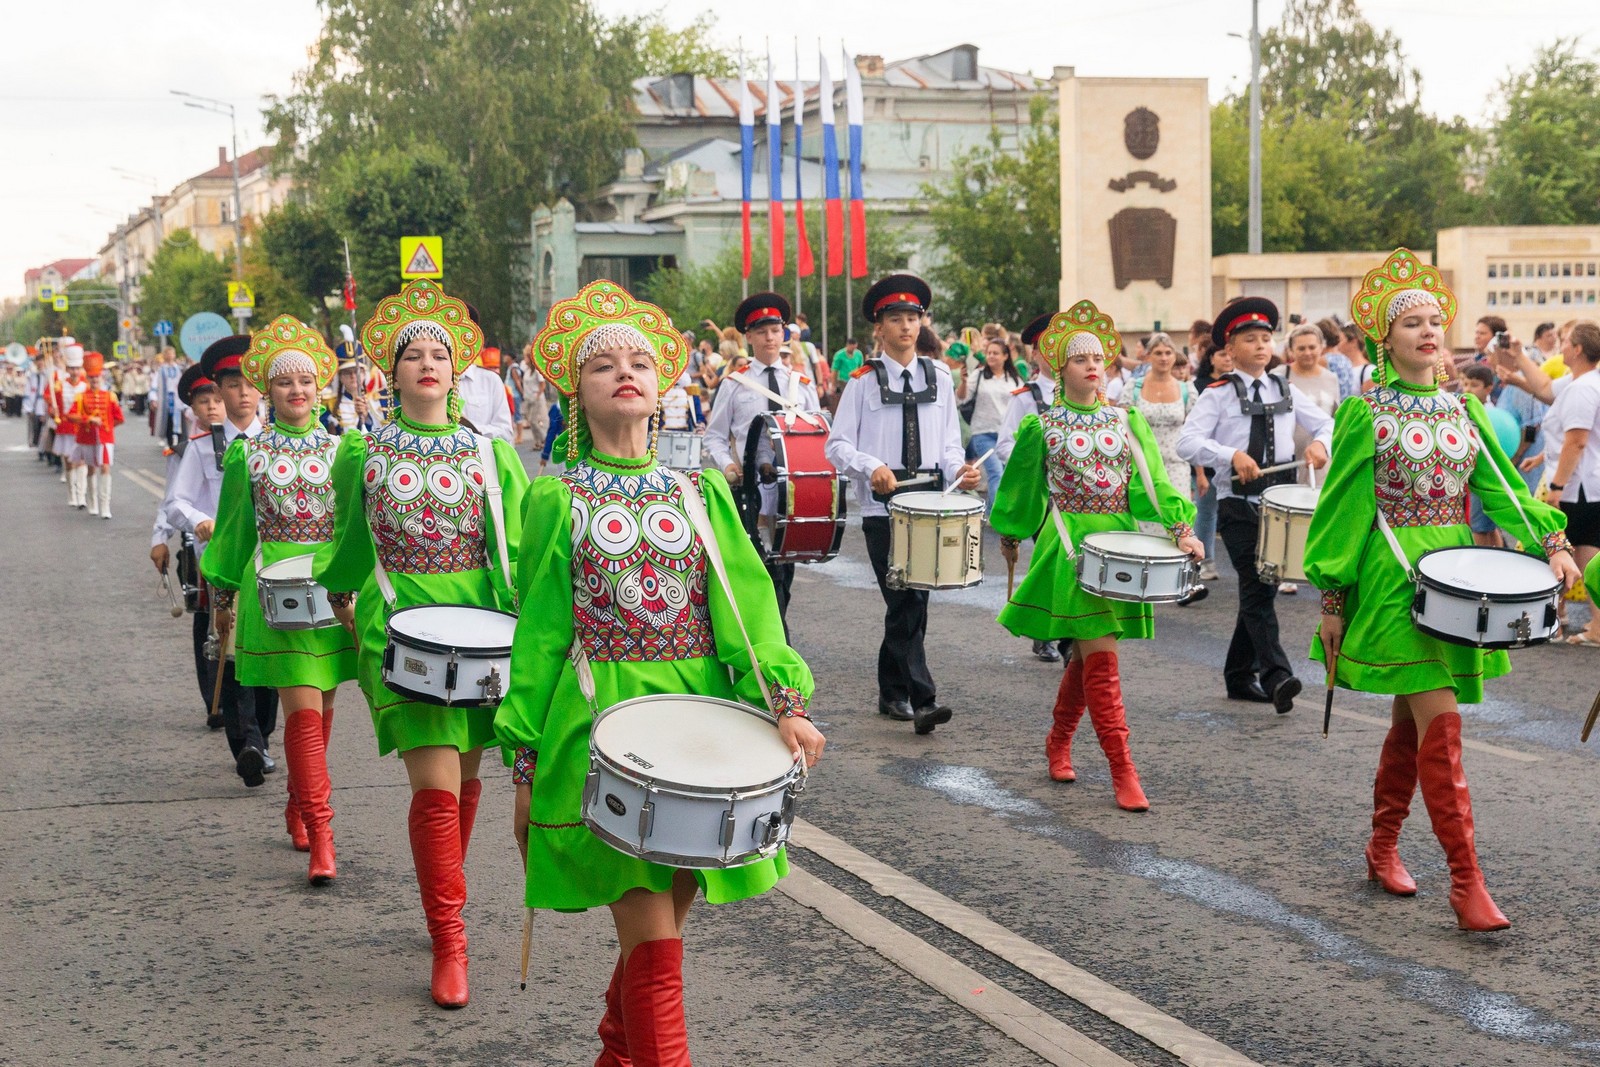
(792, 498)
(196, 595)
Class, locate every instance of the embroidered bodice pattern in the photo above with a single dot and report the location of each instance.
(638, 570)
(424, 496)
(1086, 464)
(1425, 447)
(291, 484)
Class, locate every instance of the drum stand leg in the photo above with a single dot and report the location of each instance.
(1102, 685)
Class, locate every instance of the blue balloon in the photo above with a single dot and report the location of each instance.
(1506, 430)
(201, 331)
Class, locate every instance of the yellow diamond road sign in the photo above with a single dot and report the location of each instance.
(421, 257)
(240, 295)
(60, 302)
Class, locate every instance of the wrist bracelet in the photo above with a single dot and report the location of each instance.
(1558, 488)
(341, 600)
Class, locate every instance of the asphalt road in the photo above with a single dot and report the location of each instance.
(153, 911)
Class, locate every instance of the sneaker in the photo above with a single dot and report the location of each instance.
(1288, 588)
(1208, 571)
(1046, 651)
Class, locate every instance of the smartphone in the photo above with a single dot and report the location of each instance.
(1502, 340)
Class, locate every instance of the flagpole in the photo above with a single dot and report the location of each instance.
(849, 294)
(799, 201)
(822, 167)
(744, 280)
(771, 280)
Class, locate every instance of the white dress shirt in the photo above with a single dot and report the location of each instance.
(484, 403)
(197, 486)
(737, 407)
(1576, 407)
(867, 432)
(162, 530)
(1021, 407)
(1216, 427)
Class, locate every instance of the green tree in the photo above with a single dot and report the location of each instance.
(998, 219)
(663, 50)
(94, 325)
(714, 290)
(184, 279)
(1545, 166)
(1324, 60)
(300, 244)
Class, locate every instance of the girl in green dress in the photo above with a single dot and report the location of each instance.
(611, 565)
(277, 502)
(1075, 462)
(414, 526)
(1405, 454)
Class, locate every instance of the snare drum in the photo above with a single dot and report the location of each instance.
(290, 600)
(1122, 565)
(453, 655)
(1485, 598)
(807, 524)
(1281, 541)
(935, 541)
(690, 781)
(196, 597)
(679, 449)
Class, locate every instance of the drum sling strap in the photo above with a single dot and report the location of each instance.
(497, 518)
(1144, 477)
(1394, 544)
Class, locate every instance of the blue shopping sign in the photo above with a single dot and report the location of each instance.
(164, 328)
(201, 331)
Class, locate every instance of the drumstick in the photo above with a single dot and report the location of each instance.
(1280, 467)
(1327, 708)
(1011, 577)
(527, 942)
(1594, 713)
(975, 463)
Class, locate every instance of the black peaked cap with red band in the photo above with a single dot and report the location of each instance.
(762, 309)
(192, 381)
(1248, 312)
(897, 292)
(224, 356)
(1031, 332)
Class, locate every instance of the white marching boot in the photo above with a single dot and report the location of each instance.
(104, 475)
(93, 494)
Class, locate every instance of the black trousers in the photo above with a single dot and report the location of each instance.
(782, 575)
(35, 424)
(249, 713)
(1255, 649)
(902, 662)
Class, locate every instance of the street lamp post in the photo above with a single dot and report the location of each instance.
(1255, 127)
(222, 107)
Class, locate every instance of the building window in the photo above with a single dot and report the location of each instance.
(224, 211)
(1494, 271)
(1541, 297)
(1566, 296)
(1492, 300)
(1566, 270)
(1516, 270)
(1516, 299)
(1590, 270)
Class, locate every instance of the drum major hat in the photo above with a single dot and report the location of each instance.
(287, 346)
(1246, 313)
(761, 309)
(1401, 283)
(93, 363)
(897, 292)
(602, 316)
(1082, 328)
(421, 309)
(225, 356)
(193, 381)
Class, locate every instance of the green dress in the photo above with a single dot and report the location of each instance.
(608, 554)
(1077, 457)
(277, 494)
(413, 497)
(1412, 452)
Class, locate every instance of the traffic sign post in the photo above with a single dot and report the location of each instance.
(421, 257)
(163, 328)
(47, 293)
(119, 349)
(60, 303)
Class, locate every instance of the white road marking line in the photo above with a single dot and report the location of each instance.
(1039, 1032)
(1189, 1045)
(1466, 742)
(156, 491)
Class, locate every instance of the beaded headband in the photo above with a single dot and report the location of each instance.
(1082, 329)
(1401, 283)
(287, 346)
(421, 302)
(603, 316)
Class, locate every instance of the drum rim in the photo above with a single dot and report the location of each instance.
(261, 575)
(969, 505)
(1290, 508)
(1178, 556)
(1493, 646)
(422, 644)
(1439, 586)
(684, 789)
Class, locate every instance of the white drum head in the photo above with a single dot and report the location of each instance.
(935, 503)
(1142, 546)
(455, 624)
(295, 567)
(1291, 498)
(1492, 571)
(710, 744)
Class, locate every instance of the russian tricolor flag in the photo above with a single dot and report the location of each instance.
(804, 263)
(855, 113)
(834, 218)
(774, 169)
(747, 149)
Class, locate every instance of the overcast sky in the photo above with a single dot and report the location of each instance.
(99, 96)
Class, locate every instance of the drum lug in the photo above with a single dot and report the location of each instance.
(1522, 628)
(894, 578)
(388, 658)
(1419, 603)
(1550, 615)
(1267, 572)
(1483, 617)
(725, 836)
(769, 831)
(450, 678)
(647, 820)
(493, 688)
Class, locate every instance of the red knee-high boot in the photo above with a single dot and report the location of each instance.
(652, 1004)
(291, 815)
(1102, 685)
(435, 824)
(613, 1037)
(1444, 791)
(308, 768)
(1066, 715)
(1391, 803)
(471, 790)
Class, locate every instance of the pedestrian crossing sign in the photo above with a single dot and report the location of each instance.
(240, 295)
(47, 293)
(421, 257)
(60, 302)
(119, 349)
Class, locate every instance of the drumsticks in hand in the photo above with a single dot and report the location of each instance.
(1327, 708)
(1594, 713)
(527, 942)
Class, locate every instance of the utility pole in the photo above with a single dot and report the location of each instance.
(222, 107)
(1255, 127)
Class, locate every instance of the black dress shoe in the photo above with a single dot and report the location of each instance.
(1252, 692)
(1046, 651)
(268, 764)
(1283, 694)
(898, 710)
(251, 766)
(930, 715)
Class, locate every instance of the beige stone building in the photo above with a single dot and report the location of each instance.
(55, 276)
(1136, 198)
(1312, 285)
(1524, 274)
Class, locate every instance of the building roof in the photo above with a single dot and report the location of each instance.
(66, 268)
(249, 163)
(719, 158)
(696, 96)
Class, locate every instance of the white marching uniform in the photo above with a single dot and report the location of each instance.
(1022, 405)
(197, 486)
(867, 433)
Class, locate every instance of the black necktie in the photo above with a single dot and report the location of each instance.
(772, 386)
(1257, 448)
(910, 432)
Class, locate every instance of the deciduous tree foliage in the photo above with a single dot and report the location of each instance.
(1545, 169)
(663, 50)
(299, 244)
(184, 279)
